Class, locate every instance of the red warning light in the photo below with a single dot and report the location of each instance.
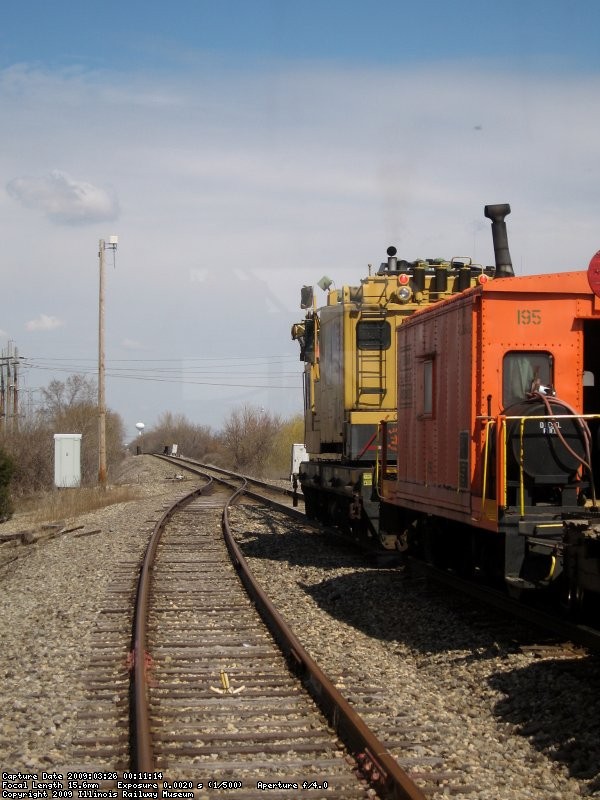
(593, 274)
(403, 279)
(483, 278)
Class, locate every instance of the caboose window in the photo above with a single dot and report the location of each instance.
(525, 372)
(375, 335)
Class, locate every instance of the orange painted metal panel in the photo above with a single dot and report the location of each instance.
(441, 450)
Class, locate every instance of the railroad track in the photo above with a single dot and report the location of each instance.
(418, 745)
(463, 699)
(102, 746)
(216, 707)
(537, 637)
(264, 491)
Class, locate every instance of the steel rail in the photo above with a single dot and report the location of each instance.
(141, 752)
(375, 761)
(189, 463)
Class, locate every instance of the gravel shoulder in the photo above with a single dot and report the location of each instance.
(51, 593)
(512, 722)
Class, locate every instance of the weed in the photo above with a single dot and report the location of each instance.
(66, 503)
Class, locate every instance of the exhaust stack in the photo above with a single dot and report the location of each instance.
(497, 214)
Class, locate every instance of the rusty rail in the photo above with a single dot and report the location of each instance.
(375, 761)
(142, 758)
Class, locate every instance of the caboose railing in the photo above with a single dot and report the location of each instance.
(489, 423)
(502, 453)
(495, 461)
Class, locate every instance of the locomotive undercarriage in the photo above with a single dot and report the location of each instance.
(342, 497)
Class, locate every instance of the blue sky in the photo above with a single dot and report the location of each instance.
(243, 149)
(155, 35)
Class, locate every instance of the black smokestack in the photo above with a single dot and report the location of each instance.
(497, 214)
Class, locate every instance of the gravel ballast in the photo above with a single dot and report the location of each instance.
(508, 722)
(511, 721)
(51, 595)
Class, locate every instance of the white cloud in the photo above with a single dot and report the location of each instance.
(63, 199)
(44, 323)
(237, 189)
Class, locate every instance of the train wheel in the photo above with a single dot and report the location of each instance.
(458, 550)
(489, 558)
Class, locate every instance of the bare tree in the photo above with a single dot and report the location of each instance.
(248, 438)
(291, 430)
(7, 468)
(31, 448)
(76, 390)
(195, 441)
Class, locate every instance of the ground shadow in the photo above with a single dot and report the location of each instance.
(555, 704)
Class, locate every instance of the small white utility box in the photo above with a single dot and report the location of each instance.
(299, 455)
(67, 460)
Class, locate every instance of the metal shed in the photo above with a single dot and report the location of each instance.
(67, 460)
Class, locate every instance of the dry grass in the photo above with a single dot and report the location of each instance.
(65, 503)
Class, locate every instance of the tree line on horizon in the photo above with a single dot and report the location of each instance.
(251, 441)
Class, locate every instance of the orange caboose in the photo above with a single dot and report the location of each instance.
(497, 424)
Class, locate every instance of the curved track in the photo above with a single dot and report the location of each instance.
(216, 693)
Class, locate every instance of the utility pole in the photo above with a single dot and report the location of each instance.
(9, 388)
(112, 245)
(15, 390)
(2, 395)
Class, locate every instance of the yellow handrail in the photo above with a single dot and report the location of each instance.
(522, 420)
(488, 426)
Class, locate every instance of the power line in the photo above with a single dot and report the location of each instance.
(178, 379)
(162, 370)
(257, 359)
